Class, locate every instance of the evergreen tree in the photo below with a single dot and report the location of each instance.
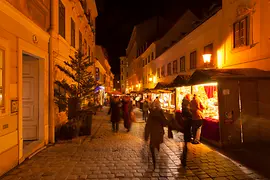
(78, 70)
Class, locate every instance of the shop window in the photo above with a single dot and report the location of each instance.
(240, 33)
(62, 19)
(193, 60)
(182, 64)
(2, 58)
(175, 67)
(162, 71)
(80, 40)
(72, 32)
(169, 69)
(158, 72)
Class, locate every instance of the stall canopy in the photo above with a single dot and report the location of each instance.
(210, 75)
(161, 85)
(180, 80)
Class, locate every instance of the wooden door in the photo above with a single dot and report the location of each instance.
(30, 99)
(229, 112)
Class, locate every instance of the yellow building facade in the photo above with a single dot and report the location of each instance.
(237, 36)
(34, 36)
(72, 29)
(24, 72)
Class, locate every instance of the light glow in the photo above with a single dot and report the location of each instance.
(150, 79)
(219, 58)
(154, 79)
(207, 58)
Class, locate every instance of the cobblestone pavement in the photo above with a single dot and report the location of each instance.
(122, 155)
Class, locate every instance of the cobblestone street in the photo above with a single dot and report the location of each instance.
(122, 155)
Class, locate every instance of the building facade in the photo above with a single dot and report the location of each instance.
(103, 69)
(141, 38)
(72, 29)
(235, 36)
(24, 72)
(123, 74)
(36, 35)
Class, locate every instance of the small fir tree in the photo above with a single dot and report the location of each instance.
(82, 88)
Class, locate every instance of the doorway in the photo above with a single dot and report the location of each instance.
(30, 100)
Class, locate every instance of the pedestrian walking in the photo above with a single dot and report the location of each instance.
(114, 110)
(187, 118)
(145, 109)
(127, 108)
(197, 118)
(154, 128)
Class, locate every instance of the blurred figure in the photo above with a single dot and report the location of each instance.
(145, 109)
(187, 117)
(197, 118)
(115, 113)
(127, 108)
(154, 128)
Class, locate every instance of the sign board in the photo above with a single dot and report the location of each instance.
(226, 91)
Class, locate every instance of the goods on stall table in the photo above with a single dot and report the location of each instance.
(210, 104)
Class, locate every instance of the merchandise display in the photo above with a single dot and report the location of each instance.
(207, 93)
(180, 94)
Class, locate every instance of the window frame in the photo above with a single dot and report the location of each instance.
(4, 50)
(193, 61)
(80, 41)
(182, 64)
(237, 33)
(72, 33)
(169, 69)
(61, 19)
(174, 67)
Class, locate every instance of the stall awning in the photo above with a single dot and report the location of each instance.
(161, 85)
(210, 75)
(180, 80)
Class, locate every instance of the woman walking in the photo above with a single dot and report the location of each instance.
(127, 108)
(154, 128)
(115, 113)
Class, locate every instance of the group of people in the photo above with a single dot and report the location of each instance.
(192, 113)
(121, 108)
(154, 116)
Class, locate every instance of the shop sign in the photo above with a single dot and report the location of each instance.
(97, 73)
(226, 91)
(228, 117)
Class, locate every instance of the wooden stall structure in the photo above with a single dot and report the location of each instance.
(243, 101)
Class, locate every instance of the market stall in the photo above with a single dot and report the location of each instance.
(232, 98)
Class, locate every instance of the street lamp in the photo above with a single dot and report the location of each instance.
(207, 59)
(150, 79)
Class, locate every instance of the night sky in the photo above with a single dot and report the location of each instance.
(116, 19)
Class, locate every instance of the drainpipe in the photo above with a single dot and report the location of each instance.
(51, 76)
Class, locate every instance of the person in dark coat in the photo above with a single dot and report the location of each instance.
(187, 116)
(115, 113)
(154, 128)
(127, 108)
